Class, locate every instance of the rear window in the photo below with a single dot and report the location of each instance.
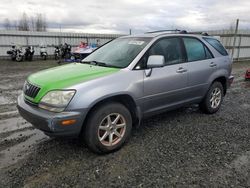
(217, 45)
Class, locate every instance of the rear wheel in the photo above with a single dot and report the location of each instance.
(108, 128)
(213, 99)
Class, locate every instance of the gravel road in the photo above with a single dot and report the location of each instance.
(182, 148)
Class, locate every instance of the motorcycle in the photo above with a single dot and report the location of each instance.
(16, 53)
(66, 51)
(57, 53)
(29, 53)
(12, 53)
(43, 52)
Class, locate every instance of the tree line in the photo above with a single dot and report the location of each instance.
(27, 23)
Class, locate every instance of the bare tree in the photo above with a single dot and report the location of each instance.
(7, 24)
(37, 23)
(15, 26)
(41, 24)
(23, 24)
(44, 23)
(32, 23)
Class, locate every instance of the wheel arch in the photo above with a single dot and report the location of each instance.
(124, 99)
(223, 81)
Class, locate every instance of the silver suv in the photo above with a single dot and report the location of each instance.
(127, 79)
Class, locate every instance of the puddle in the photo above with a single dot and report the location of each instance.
(4, 87)
(14, 153)
(6, 115)
(13, 124)
(5, 100)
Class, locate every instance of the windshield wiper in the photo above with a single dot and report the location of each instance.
(99, 64)
(94, 63)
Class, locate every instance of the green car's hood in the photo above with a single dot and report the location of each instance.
(66, 76)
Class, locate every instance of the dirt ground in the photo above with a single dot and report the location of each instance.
(178, 148)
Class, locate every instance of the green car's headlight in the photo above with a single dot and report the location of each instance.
(56, 100)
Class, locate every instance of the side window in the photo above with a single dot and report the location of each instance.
(170, 48)
(217, 45)
(208, 53)
(196, 50)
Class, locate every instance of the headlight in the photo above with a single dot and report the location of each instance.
(57, 100)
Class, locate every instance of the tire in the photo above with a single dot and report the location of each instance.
(13, 58)
(67, 56)
(19, 58)
(44, 57)
(98, 131)
(213, 99)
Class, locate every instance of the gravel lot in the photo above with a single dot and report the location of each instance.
(182, 148)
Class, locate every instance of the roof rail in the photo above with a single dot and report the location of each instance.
(168, 30)
(179, 32)
(199, 33)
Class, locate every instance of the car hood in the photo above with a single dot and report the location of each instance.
(65, 76)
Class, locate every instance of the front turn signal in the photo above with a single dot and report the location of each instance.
(68, 122)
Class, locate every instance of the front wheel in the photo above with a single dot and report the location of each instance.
(108, 128)
(213, 99)
(19, 58)
(44, 57)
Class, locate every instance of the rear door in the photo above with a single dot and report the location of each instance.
(200, 67)
(165, 86)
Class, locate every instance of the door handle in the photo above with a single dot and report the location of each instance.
(181, 70)
(212, 64)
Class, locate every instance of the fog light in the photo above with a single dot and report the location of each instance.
(68, 122)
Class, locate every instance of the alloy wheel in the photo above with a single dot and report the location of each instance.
(215, 98)
(112, 129)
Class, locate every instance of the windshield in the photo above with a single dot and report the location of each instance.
(119, 52)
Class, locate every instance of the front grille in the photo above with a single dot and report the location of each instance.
(30, 90)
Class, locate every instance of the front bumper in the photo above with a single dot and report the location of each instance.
(50, 122)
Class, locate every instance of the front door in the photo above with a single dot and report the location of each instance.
(165, 87)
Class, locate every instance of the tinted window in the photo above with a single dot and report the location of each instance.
(217, 45)
(195, 49)
(170, 48)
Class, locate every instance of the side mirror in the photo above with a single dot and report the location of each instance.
(155, 61)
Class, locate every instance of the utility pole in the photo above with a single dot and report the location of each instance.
(235, 36)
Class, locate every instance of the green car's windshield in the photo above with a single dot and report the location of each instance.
(119, 52)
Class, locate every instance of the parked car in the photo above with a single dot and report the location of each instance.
(127, 79)
(83, 50)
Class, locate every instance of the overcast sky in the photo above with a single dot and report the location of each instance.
(117, 16)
